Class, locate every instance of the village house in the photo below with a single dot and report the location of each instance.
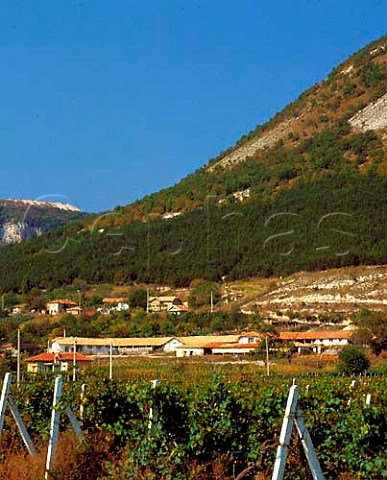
(117, 304)
(8, 347)
(243, 344)
(56, 362)
(165, 303)
(177, 309)
(204, 344)
(55, 307)
(249, 338)
(316, 342)
(74, 310)
(16, 309)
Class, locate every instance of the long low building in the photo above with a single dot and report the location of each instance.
(317, 341)
(247, 342)
(243, 343)
(183, 346)
(118, 346)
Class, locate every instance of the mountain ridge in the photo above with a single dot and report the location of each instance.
(38, 203)
(342, 98)
(22, 219)
(262, 138)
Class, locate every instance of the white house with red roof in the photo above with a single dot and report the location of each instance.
(316, 341)
(55, 307)
(118, 304)
(177, 309)
(52, 362)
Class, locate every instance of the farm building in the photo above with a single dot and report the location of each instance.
(247, 342)
(243, 343)
(204, 344)
(316, 342)
(119, 346)
(56, 362)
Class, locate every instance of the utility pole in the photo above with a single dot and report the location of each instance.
(74, 359)
(18, 357)
(79, 298)
(111, 360)
(267, 357)
(212, 302)
(147, 300)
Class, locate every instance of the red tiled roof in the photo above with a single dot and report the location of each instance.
(215, 345)
(63, 301)
(250, 334)
(114, 300)
(181, 308)
(164, 299)
(231, 345)
(327, 335)
(61, 357)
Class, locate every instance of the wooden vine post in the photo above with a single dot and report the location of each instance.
(153, 411)
(7, 400)
(293, 415)
(54, 430)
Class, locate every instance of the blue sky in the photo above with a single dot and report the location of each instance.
(103, 102)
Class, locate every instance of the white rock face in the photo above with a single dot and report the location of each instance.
(372, 117)
(16, 232)
(35, 203)
(167, 215)
(262, 141)
(23, 219)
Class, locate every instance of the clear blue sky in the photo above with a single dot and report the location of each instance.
(106, 101)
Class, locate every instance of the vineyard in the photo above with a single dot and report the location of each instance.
(213, 430)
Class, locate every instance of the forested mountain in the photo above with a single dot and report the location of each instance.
(305, 191)
(339, 123)
(23, 219)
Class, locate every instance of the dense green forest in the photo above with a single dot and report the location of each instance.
(331, 221)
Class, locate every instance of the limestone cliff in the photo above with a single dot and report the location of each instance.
(23, 219)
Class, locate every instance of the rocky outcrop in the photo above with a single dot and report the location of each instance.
(262, 141)
(23, 219)
(26, 204)
(372, 117)
(15, 232)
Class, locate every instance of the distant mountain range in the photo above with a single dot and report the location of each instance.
(305, 191)
(23, 219)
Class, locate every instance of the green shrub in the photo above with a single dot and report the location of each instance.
(353, 360)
